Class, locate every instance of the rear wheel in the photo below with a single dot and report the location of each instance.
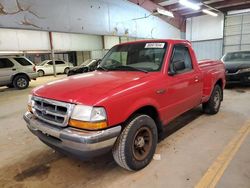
(135, 147)
(40, 73)
(21, 82)
(212, 106)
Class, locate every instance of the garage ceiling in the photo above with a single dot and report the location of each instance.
(221, 5)
(181, 13)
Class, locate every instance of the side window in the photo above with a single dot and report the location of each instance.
(50, 63)
(5, 63)
(59, 63)
(23, 61)
(181, 60)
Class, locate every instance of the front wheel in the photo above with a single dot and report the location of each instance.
(66, 70)
(212, 106)
(135, 147)
(21, 82)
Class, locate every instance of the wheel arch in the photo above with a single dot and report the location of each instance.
(151, 111)
(18, 74)
(220, 83)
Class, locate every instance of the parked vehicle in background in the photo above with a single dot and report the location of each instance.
(124, 105)
(87, 66)
(16, 71)
(237, 67)
(46, 67)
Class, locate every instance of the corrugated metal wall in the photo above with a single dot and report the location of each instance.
(237, 32)
(210, 49)
(206, 35)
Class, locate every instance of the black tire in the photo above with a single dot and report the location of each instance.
(21, 82)
(212, 106)
(66, 70)
(10, 86)
(40, 73)
(135, 147)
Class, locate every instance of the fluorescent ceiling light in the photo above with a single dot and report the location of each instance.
(190, 4)
(238, 11)
(209, 12)
(164, 12)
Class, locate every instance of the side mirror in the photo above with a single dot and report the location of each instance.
(176, 66)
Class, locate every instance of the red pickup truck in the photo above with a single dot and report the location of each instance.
(138, 88)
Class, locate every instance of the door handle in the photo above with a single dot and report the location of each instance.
(196, 79)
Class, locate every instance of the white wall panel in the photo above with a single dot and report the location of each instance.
(211, 49)
(110, 41)
(204, 28)
(76, 42)
(15, 40)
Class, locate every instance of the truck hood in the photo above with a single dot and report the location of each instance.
(89, 88)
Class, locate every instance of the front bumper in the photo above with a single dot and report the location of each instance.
(238, 78)
(80, 143)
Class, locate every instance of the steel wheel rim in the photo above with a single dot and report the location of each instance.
(217, 99)
(21, 82)
(142, 143)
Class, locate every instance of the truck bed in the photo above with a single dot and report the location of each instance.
(211, 71)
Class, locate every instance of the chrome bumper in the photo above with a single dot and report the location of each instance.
(68, 140)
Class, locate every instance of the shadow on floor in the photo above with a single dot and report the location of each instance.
(180, 122)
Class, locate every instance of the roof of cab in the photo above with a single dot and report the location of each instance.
(158, 40)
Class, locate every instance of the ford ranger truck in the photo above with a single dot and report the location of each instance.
(124, 105)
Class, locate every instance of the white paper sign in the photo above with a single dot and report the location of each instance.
(155, 45)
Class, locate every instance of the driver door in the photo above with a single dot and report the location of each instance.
(184, 88)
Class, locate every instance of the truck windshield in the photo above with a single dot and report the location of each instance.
(237, 56)
(141, 56)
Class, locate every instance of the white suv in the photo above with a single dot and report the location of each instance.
(16, 72)
(46, 67)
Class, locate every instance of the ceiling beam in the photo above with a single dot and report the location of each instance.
(178, 21)
(238, 7)
(194, 15)
(228, 3)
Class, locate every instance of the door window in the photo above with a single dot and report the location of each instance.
(50, 63)
(59, 63)
(5, 63)
(181, 54)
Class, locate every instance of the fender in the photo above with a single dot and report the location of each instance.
(140, 104)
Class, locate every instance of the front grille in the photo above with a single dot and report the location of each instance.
(51, 111)
(232, 71)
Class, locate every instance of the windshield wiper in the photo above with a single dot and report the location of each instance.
(101, 68)
(123, 67)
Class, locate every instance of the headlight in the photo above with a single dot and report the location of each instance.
(244, 70)
(88, 117)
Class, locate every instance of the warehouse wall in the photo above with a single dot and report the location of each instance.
(27, 40)
(206, 35)
(99, 17)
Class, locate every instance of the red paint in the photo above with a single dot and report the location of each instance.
(124, 92)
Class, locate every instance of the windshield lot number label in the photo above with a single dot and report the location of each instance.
(155, 45)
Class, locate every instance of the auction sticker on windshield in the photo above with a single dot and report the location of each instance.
(155, 45)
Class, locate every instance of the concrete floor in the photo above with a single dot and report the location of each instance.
(189, 147)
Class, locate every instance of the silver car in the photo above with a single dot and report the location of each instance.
(16, 72)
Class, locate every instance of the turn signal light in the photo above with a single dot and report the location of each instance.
(29, 108)
(88, 125)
